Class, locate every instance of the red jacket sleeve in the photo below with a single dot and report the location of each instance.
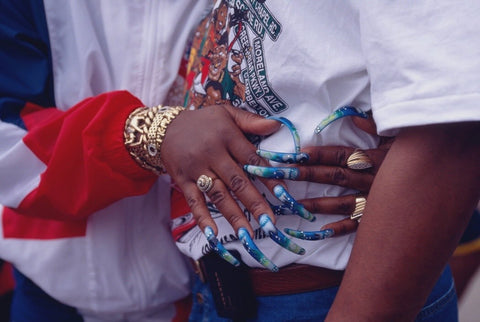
(88, 166)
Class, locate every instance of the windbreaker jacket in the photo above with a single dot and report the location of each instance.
(80, 217)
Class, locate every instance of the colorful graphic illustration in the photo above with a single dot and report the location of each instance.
(226, 63)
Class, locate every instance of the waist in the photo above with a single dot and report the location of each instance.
(291, 279)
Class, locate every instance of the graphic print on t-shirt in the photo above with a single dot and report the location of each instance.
(226, 63)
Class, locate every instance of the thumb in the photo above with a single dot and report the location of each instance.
(252, 123)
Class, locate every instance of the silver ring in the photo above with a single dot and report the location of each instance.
(204, 183)
(359, 160)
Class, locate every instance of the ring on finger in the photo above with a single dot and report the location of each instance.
(204, 183)
(360, 203)
(359, 160)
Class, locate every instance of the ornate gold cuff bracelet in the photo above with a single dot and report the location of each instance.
(144, 132)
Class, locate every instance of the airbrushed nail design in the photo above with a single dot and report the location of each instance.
(281, 210)
(278, 237)
(253, 250)
(272, 172)
(310, 235)
(283, 157)
(292, 204)
(219, 248)
(291, 128)
(339, 113)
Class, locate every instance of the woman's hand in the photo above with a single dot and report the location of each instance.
(210, 143)
(334, 165)
(330, 165)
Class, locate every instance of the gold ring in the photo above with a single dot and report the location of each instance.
(360, 203)
(359, 160)
(204, 183)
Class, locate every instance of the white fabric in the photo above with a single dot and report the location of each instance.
(26, 168)
(98, 46)
(422, 58)
(326, 54)
(127, 267)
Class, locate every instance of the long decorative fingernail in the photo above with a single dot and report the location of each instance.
(292, 204)
(310, 235)
(281, 210)
(339, 113)
(291, 128)
(277, 236)
(219, 248)
(272, 172)
(253, 250)
(283, 157)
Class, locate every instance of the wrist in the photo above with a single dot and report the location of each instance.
(144, 132)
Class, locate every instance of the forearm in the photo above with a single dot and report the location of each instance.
(417, 209)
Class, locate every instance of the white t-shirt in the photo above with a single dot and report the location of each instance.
(410, 63)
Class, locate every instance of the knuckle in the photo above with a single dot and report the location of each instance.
(236, 221)
(217, 196)
(254, 159)
(192, 202)
(341, 157)
(308, 173)
(237, 183)
(257, 207)
(345, 207)
(202, 221)
(339, 176)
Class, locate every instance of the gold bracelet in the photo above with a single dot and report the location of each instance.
(144, 132)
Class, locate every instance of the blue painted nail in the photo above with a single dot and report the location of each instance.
(291, 128)
(253, 250)
(281, 210)
(219, 248)
(277, 236)
(272, 172)
(284, 157)
(310, 235)
(292, 204)
(339, 113)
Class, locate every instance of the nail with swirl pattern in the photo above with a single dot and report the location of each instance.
(272, 172)
(339, 113)
(310, 235)
(253, 250)
(277, 236)
(284, 157)
(292, 204)
(219, 248)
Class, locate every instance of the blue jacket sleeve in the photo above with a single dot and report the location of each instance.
(25, 59)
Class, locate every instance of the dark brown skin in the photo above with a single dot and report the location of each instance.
(210, 141)
(430, 178)
(329, 165)
(216, 147)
